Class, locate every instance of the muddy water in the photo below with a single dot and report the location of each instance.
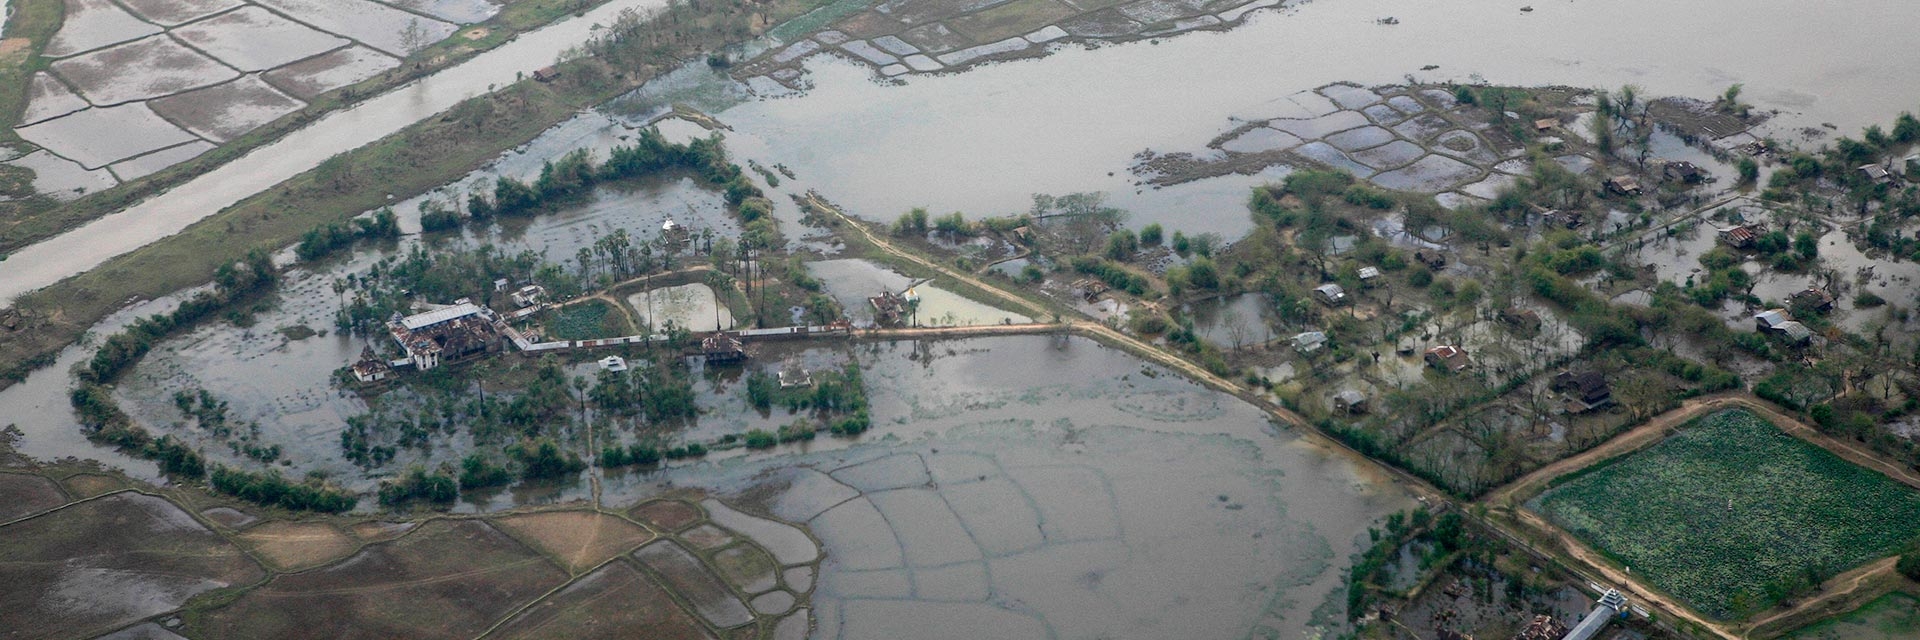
(163, 215)
(1034, 487)
(1073, 121)
(851, 282)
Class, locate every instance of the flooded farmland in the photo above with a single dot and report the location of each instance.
(1005, 124)
(1039, 487)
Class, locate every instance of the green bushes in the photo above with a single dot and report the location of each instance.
(327, 239)
(541, 459)
(271, 489)
(1112, 274)
(478, 472)
(639, 453)
(418, 484)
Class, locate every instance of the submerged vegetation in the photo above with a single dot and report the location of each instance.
(1734, 515)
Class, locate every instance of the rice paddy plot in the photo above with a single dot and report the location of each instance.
(1731, 513)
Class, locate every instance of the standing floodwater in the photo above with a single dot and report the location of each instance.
(1047, 487)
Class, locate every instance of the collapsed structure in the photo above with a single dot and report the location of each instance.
(446, 334)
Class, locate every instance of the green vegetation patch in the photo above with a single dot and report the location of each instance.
(1011, 19)
(1734, 515)
(586, 321)
(1891, 617)
(815, 20)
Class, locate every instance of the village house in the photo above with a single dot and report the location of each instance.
(1794, 333)
(889, 308)
(371, 368)
(1433, 259)
(446, 334)
(721, 348)
(1770, 320)
(1877, 173)
(1449, 358)
(1331, 294)
(1740, 237)
(1583, 392)
(675, 232)
(546, 74)
(1563, 219)
(1369, 274)
(1543, 627)
(1521, 319)
(1350, 401)
(1811, 298)
(1624, 185)
(614, 363)
(1309, 342)
(1545, 124)
(529, 295)
(1090, 289)
(1684, 171)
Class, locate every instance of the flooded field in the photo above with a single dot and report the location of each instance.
(1033, 487)
(851, 282)
(690, 306)
(1002, 125)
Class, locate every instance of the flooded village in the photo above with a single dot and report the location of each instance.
(958, 319)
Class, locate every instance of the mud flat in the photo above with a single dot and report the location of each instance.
(449, 578)
(373, 24)
(103, 564)
(148, 68)
(47, 98)
(63, 179)
(223, 112)
(100, 136)
(174, 12)
(252, 39)
(144, 165)
(309, 78)
(91, 24)
(615, 597)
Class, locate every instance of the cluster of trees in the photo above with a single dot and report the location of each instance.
(662, 393)
(1448, 535)
(477, 471)
(1114, 275)
(326, 239)
(232, 284)
(542, 458)
(800, 429)
(272, 489)
(417, 483)
(837, 398)
(639, 453)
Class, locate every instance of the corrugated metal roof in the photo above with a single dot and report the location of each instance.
(437, 316)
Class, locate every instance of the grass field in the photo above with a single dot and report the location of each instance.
(586, 321)
(1895, 616)
(1731, 514)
